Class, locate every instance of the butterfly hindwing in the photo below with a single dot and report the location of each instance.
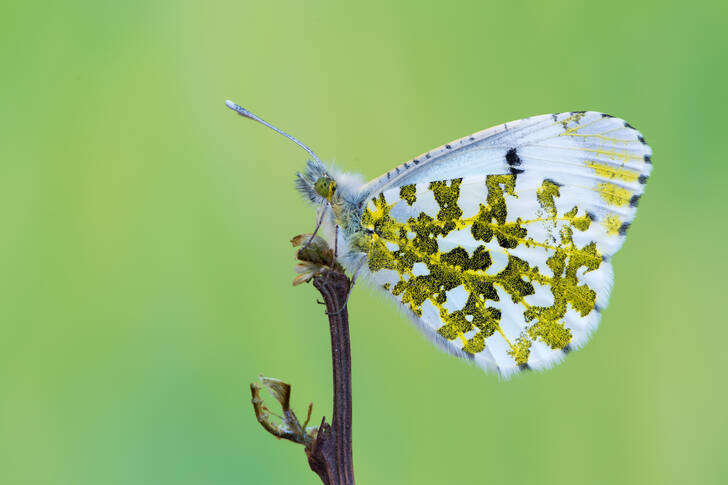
(508, 263)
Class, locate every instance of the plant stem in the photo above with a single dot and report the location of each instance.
(331, 453)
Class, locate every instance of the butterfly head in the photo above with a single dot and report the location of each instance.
(316, 183)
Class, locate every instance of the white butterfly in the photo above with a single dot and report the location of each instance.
(497, 245)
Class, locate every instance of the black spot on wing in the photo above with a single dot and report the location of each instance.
(642, 179)
(523, 367)
(634, 200)
(513, 160)
(427, 155)
(648, 159)
(448, 147)
(642, 140)
(605, 115)
(512, 157)
(591, 216)
(623, 228)
(415, 161)
(567, 349)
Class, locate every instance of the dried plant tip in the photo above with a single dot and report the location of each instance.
(262, 414)
(306, 272)
(280, 390)
(314, 258)
(316, 252)
(308, 416)
(289, 427)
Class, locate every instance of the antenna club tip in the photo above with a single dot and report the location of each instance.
(230, 104)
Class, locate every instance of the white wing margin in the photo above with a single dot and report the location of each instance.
(576, 136)
(547, 199)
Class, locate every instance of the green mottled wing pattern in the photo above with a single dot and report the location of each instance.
(499, 246)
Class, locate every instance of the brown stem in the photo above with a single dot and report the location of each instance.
(328, 448)
(331, 453)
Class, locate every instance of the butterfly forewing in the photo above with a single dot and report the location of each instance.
(510, 266)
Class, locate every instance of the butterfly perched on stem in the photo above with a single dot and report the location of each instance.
(498, 245)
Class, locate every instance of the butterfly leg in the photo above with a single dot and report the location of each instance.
(318, 225)
(351, 286)
(336, 243)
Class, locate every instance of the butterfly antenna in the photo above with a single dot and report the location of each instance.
(244, 112)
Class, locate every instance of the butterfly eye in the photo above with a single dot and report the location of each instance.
(325, 187)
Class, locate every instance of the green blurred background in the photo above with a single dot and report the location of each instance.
(146, 264)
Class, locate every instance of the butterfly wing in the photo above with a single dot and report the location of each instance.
(498, 245)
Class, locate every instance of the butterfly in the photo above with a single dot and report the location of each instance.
(498, 245)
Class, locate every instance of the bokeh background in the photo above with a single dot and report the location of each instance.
(146, 266)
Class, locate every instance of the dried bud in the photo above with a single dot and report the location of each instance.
(313, 258)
